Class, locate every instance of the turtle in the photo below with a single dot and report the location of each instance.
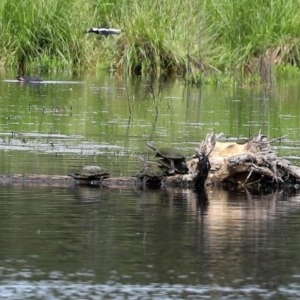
(90, 175)
(170, 158)
(151, 175)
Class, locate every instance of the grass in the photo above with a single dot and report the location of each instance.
(254, 35)
(39, 35)
(200, 40)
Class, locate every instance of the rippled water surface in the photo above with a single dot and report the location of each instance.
(93, 243)
(88, 243)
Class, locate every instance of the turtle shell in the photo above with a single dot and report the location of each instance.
(166, 152)
(151, 171)
(151, 175)
(170, 158)
(91, 173)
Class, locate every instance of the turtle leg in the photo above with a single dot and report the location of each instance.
(172, 170)
(181, 167)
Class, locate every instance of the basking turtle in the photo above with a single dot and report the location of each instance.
(151, 175)
(171, 158)
(90, 175)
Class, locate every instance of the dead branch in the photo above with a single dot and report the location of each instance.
(251, 162)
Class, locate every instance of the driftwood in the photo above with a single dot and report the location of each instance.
(252, 165)
(203, 165)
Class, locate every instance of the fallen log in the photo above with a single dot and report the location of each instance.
(253, 163)
(249, 165)
(36, 180)
(98, 177)
(65, 181)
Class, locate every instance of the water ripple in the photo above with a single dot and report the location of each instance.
(59, 289)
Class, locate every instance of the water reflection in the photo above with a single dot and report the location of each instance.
(97, 116)
(89, 243)
(82, 241)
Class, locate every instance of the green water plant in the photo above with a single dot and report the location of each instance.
(198, 39)
(38, 33)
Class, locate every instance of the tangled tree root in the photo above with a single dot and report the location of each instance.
(251, 164)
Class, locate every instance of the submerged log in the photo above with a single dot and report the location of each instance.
(252, 164)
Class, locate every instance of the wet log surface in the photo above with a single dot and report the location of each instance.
(184, 181)
(36, 180)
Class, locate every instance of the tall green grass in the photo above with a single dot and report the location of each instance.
(195, 39)
(41, 34)
(248, 35)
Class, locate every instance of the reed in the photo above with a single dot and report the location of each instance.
(38, 33)
(252, 35)
(198, 39)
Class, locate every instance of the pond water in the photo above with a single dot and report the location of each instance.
(91, 243)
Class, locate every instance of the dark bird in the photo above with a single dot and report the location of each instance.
(29, 79)
(103, 31)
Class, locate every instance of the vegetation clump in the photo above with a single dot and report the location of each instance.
(198, 39)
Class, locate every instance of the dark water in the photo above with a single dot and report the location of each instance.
(90, 243)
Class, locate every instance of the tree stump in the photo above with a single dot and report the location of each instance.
(250, 164)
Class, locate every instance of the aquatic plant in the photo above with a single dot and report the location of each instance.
(199, 39)
(253, 36)
(38, 34)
